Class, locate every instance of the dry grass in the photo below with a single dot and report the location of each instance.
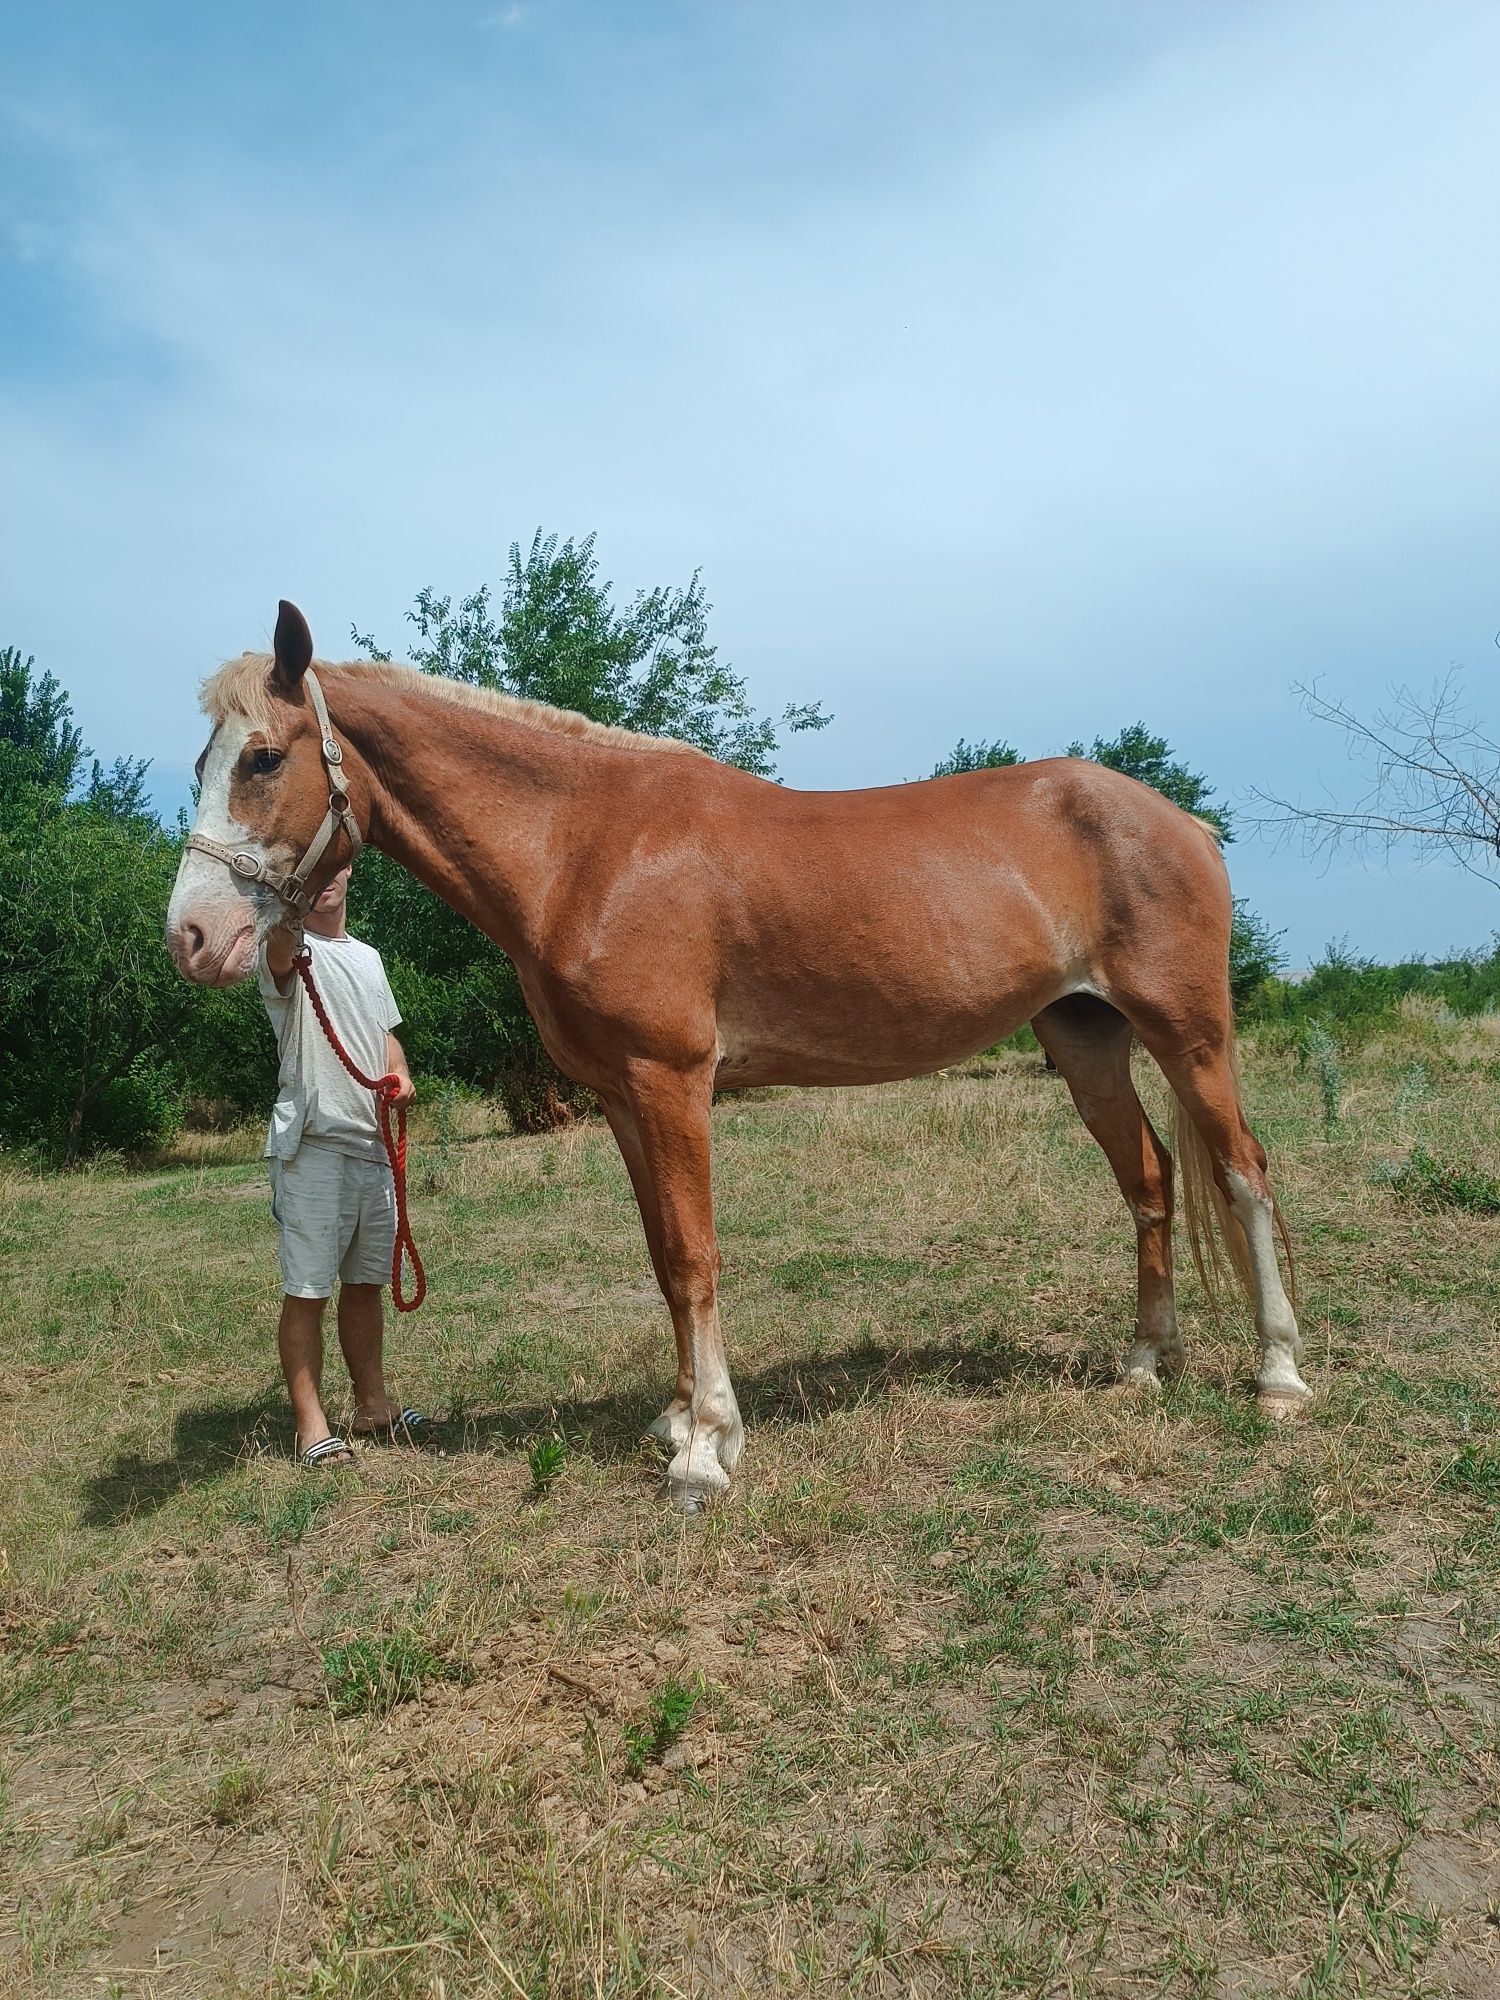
(988, 1679)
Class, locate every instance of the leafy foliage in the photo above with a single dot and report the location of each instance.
(1139, 754)
(977, 756)
(1361, 996)
(101, 1040)
(559, 638)
(545, 1458)
(373, 1675)
(670, 1712)
(1320, 1055)
(40, 749)
(1255, 954)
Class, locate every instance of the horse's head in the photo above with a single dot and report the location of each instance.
(264, 795)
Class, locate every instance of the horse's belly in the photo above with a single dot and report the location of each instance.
(857, 1044)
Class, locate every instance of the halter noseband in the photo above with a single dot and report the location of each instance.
(291, 887)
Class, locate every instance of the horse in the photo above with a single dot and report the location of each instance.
(680, 927)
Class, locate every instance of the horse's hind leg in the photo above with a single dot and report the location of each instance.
(1090, 1044)
(1200, 1067)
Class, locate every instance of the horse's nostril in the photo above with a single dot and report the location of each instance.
(193, 938)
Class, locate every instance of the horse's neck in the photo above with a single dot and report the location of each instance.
(478, 808)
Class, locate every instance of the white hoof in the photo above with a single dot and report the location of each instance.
(696, 1478)
(1279, 1385)
(1140, 1372)
(1154, 1365)
(1282, 1401)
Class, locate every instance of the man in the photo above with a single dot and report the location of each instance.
(331, 1189)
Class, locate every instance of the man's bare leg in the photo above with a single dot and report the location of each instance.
(362, 1337)
(299, 1339)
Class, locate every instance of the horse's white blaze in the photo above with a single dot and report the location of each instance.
(227, 911)
(1280, 1342)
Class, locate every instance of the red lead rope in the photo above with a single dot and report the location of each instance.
(385, 1089)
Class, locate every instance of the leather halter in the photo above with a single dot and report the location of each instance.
(291, 886)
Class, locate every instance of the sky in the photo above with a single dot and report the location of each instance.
(1007, 370)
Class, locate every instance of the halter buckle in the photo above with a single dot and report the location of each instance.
(246, 864)
(332, 751)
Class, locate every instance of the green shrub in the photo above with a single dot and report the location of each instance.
(1320, 1054)
(1431, 1184)
(1365, 998)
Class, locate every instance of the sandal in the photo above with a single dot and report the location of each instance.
(406, 1423)
(329, 1451)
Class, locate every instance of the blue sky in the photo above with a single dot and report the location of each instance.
(1008, 370)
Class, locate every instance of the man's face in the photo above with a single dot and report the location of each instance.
(331, 900)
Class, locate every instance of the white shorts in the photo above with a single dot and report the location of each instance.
(336, 1217)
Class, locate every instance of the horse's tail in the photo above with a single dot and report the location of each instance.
(1214, 1236)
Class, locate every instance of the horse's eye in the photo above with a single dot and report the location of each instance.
(264, 762)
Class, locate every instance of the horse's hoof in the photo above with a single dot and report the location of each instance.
(695, 1478)
(691, 1496)
(1283, 1405)
(1151, 1366)
(1137, 1381)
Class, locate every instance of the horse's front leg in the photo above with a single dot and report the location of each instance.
(670, 1112)
(672, 1427)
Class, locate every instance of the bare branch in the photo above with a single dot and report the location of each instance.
(1432, 781)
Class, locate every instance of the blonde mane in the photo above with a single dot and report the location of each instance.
(240, 687)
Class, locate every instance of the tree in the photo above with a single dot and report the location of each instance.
(1139, 754)
(977, 756)
(100, 1040)
(1431, 780)
(558, 637)
(40, 749)
(1255, 954)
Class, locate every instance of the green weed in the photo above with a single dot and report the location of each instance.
(1476, 1470)
(236, 1793)
(371, 1676)
(285, 1517)
(1320, 1054)
(1429, 1183)
(546, 1458)
(670, 1712)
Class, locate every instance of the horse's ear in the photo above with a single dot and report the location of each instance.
(294, 648)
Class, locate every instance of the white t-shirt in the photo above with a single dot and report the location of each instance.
(318, 1099)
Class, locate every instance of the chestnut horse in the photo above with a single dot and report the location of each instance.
(680, 927)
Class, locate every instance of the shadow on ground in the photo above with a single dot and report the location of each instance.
(207, 1443)
(800, 1391)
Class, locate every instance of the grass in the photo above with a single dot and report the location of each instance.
(988, 1678)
